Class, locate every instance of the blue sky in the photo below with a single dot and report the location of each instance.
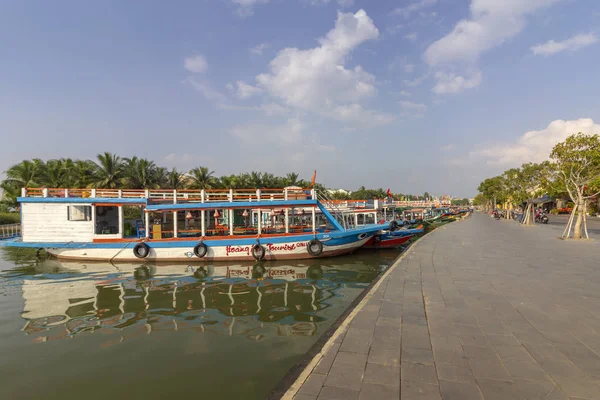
(415, 95)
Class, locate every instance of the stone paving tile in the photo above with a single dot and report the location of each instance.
(489, 369)
(419, 391)
(312, 386)
(350, 360)
(460, 391)
(420, 356)
(419, 373)
(344, 377)
(455, 373)
(304, 397)
(384, 356)
(335, 393)
(503, 340)
(382, 374)
(526, 370)
(373, 391)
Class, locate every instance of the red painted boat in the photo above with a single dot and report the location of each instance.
(386, 242)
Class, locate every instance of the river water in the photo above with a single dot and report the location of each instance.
(224, 331)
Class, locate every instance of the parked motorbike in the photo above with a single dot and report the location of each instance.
(541, 217)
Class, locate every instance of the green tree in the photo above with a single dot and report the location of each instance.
(140, 173)
(25, 174)
(494, 190)
(108, 171)
(202, 178)
(577, 169)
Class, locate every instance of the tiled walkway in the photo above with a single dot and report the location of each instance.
(479, 309)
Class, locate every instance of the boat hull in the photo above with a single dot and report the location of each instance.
(276, 248)
(387, 242)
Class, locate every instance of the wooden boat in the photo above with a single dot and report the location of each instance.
(179, 225)
(386, 241)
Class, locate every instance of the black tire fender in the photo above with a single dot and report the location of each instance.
(393, 226)
(141, 250)
(258, 252)
(200, 250)
(315, 247)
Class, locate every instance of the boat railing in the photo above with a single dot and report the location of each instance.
(177, 195)
(9, 231)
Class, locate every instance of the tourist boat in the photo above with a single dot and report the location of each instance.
(179, 225)
(407, 231)
(386, 241)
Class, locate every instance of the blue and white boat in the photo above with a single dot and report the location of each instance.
(179, 225)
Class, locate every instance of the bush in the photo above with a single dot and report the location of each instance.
(554, 211)
(10, 218)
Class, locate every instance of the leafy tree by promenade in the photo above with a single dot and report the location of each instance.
(574, 170)
(493, 190)
(528, 183)
(577, 169)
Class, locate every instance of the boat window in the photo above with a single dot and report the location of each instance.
(107, 220)
(360, 219)
(370, 218)
(79, 213)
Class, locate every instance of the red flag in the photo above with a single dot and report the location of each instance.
(314, 178)
(389, 193)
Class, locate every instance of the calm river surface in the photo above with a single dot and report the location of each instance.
(94, 330)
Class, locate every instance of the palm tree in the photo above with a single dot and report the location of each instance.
(139, 173)
(10, 192)
(255, 180)
(109, 171)
(25, 174)
(174, 180)
(82, 173)
(292, 179)
(53, 174)
(202, 178)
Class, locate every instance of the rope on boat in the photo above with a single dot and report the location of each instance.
(120, 251)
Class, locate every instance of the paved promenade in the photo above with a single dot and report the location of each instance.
(478, 309)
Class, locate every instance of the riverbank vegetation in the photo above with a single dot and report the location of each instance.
(572, 172)
(112, 171)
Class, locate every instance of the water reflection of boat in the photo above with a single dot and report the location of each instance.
(67, 298)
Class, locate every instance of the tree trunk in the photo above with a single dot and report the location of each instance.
(577, 229)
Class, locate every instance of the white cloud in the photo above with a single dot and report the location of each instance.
(411, 36)
(574, 43)
(405, 93)
(491, 23)
(341, 3)
(206, 90)
(409, 68)
(413, 7)
(317, 79)
(448, 147)
(196, 64)
(535, 146)
(452, 83)
(259, 49)
(245, 91)
(417, 81)
(246, 7)
(412, 109)
(274, 109)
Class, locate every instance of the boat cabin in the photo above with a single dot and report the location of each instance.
(96, 215)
